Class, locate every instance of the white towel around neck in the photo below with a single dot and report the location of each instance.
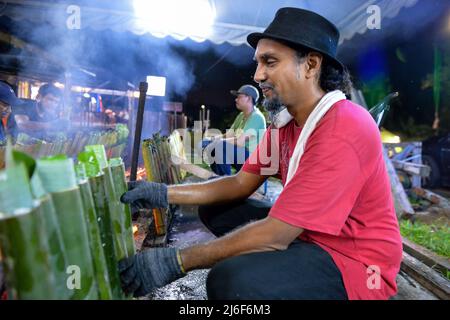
(283, 118)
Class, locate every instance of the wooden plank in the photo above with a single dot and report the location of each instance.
(410, 289)
(416, 169)
(426, 256)
(402, 204)
(192, 168)
(426, 276)
(433, 197)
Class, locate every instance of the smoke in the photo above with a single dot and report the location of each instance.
(176, 69)
(112, 57)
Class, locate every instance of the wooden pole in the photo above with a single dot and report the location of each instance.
(143, 86)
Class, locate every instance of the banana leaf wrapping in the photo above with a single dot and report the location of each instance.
(101, 198)
(58, 178)
(118, 174)
(58, 258)
(115, 207)
(117, 213)
(25, 252)
(95, 241)
(26, 258)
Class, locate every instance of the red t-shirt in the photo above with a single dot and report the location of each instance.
(340, 195)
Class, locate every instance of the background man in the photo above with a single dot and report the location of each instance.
(42, 117)
(234, 147)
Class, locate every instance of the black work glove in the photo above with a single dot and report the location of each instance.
(145, 195)
(150, 269)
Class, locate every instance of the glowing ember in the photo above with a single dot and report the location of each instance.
(140, 174)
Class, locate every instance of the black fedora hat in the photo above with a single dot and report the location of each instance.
(299, 28)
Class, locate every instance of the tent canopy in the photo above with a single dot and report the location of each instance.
(234, 20)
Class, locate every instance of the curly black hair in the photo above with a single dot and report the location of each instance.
(331, 77)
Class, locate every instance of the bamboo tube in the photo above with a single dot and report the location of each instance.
(53, 237)
(58, 258)
(118, 173)
(58, 178)
(115, 210)
(146, 155)
(97, 185)
(116, 213)
(24, 249)
(114, 204)
(158, 217)
(25, 255)
(95, 242)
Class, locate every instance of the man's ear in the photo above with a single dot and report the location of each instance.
(313, 65)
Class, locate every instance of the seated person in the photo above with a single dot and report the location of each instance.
(235, 146)
(44, 115)
(8, 100)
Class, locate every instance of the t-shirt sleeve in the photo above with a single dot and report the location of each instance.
(324, 188)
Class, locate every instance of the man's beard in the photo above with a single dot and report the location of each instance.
(274, 106)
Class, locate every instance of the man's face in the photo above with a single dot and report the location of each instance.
(241, 100)
(278, 73)
(49, 104)
(5, 109)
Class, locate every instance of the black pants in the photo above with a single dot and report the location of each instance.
(303, 271)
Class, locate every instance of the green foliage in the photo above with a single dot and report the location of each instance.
(434, 237)
(412, 131)
(376, 90)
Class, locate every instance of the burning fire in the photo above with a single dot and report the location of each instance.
(140, 174)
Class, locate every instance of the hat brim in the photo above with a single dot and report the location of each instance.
(253, 39)
(235, 93)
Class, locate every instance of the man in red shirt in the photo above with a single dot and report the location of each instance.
(332, 233)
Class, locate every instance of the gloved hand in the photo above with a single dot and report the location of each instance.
(144, 194)
(150, 269)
